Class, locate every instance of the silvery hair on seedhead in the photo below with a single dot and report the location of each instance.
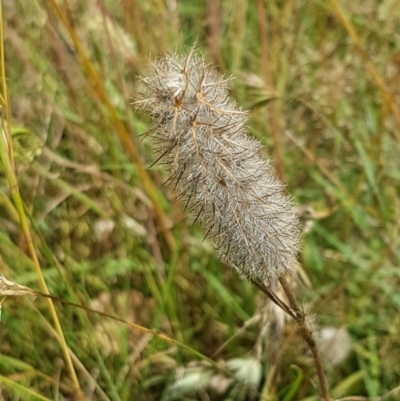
(200, 134)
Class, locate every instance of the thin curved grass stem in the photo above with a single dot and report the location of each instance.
(19, 206)
(7, 160)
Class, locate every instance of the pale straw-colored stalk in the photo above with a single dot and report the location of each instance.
(7, 160)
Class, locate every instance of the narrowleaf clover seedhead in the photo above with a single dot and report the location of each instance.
(200, 135)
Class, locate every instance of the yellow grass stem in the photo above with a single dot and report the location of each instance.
(7, 159)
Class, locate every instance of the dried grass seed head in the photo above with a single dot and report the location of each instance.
(233, 193)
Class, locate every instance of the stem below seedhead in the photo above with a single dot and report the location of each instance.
(307, 330)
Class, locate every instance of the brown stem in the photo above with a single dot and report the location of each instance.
(274, 298)
(308, 332)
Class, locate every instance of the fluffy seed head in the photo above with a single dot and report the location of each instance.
(233, 193)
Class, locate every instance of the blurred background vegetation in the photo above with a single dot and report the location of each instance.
(322, 79)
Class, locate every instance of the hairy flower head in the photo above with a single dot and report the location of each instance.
(200, 135)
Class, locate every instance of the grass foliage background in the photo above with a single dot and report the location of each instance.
(323, 86)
